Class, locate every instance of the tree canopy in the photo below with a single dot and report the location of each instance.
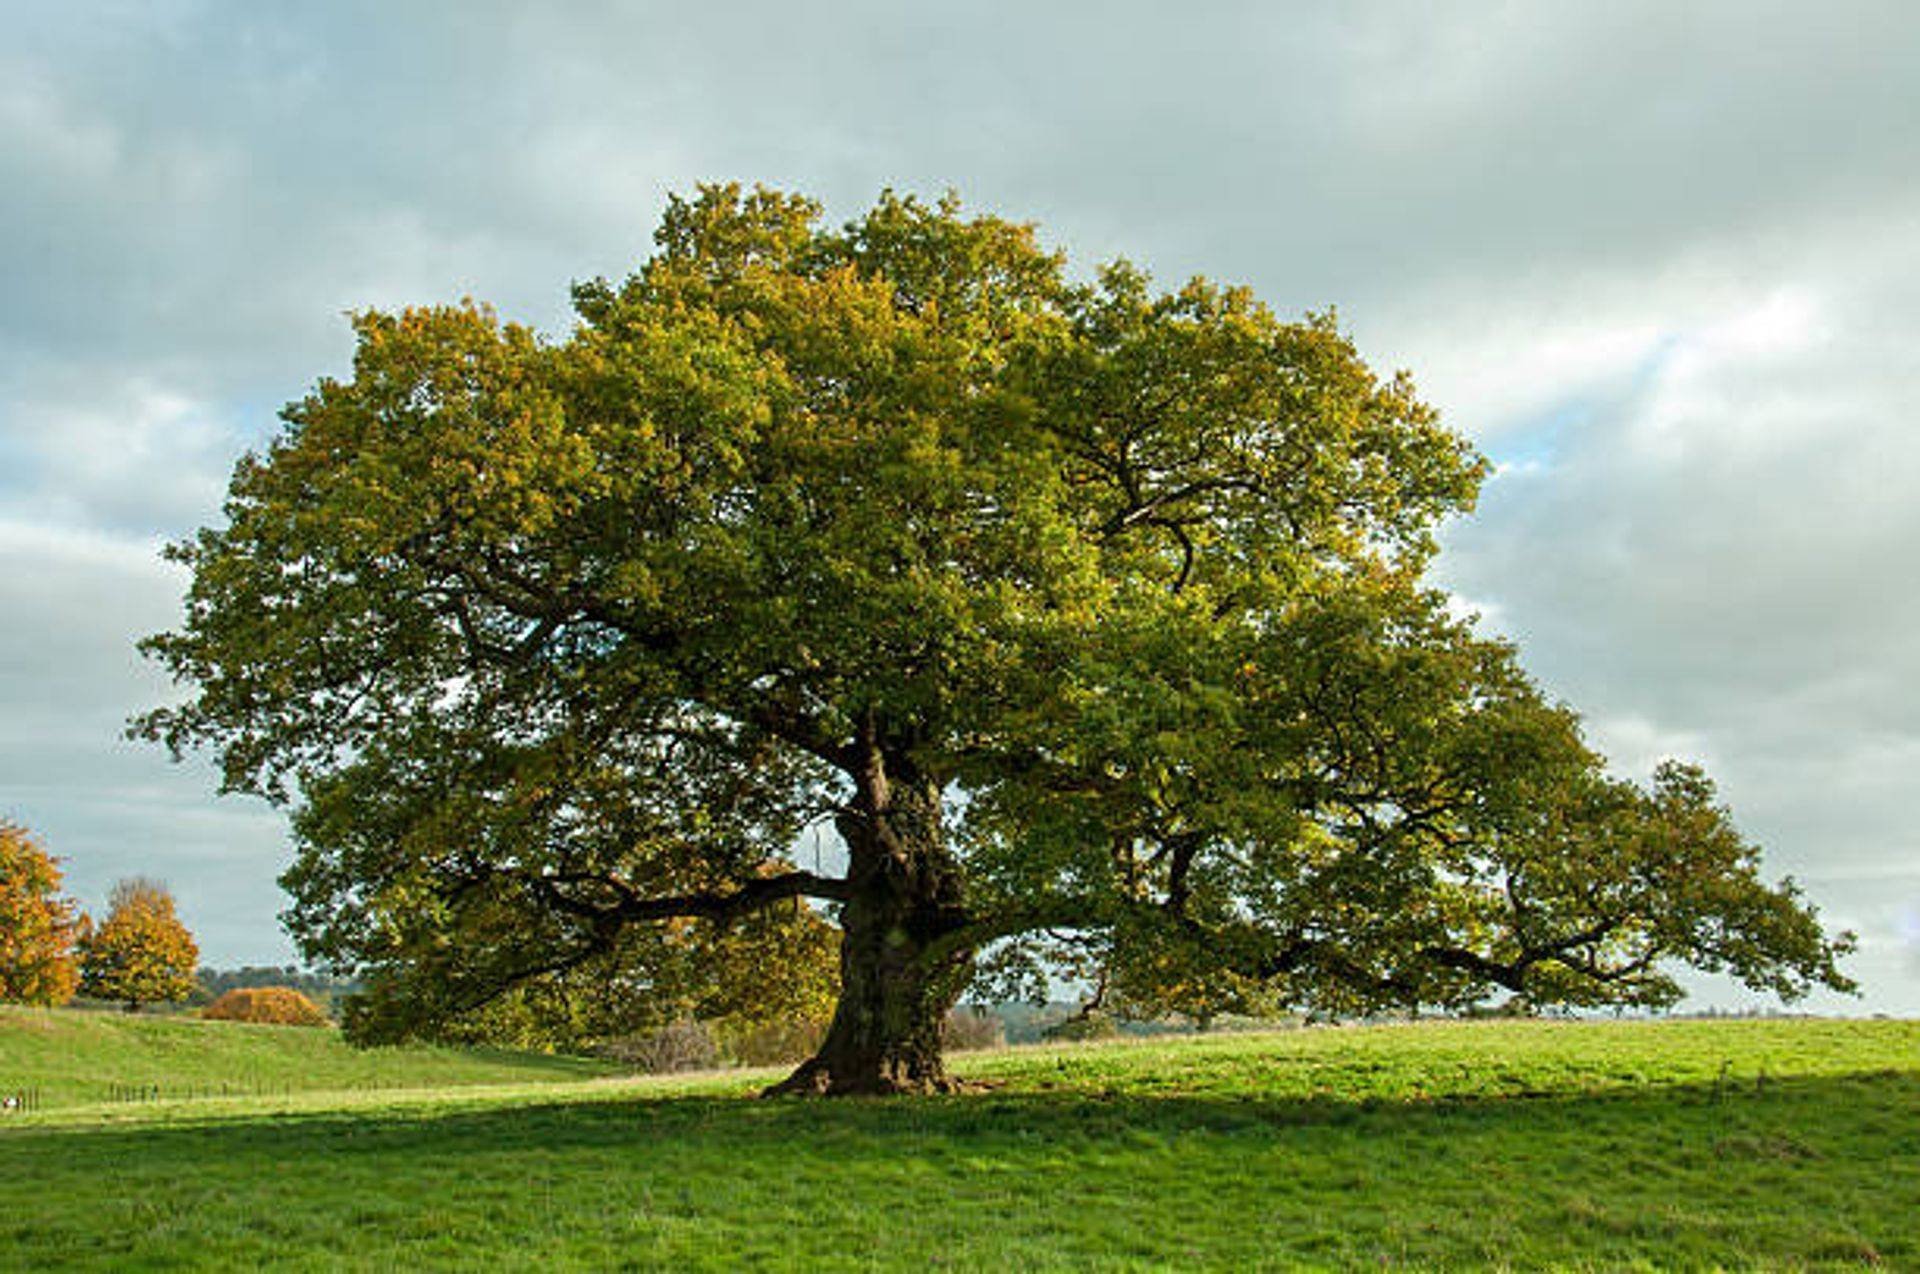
(1090, 616)
(37, 925)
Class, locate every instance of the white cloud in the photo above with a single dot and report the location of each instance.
(131, 454)
(1711, 564)
(1483, 615)
(1634, 745)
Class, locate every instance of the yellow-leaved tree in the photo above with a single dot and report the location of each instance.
(141, 954)
(37, 925)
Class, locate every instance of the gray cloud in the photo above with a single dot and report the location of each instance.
(1660, 261)
(110, 808)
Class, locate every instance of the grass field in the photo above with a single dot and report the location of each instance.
(67, 1058)
(1773, 1144)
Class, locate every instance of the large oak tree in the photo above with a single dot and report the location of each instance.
(1085, 614)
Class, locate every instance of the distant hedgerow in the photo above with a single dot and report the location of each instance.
(277, 1005)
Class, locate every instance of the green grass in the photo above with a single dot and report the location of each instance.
(1689, 1145)
(66, 1058)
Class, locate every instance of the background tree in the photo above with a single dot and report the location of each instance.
(141, 954)
(1075, 609)
(37, 926)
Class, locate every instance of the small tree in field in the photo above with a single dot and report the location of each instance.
(37, 926)
(141, 953)
(1084, 613)
(271, 1005)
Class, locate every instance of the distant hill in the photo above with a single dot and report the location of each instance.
(65, 1057)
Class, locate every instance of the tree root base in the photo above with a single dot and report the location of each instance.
(814, 1080)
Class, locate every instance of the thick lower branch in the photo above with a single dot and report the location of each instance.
(720, 907)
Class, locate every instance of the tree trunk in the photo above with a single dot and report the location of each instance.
(900, 967)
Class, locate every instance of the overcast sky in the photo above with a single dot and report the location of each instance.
(1661, 262)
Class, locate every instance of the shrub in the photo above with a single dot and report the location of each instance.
(278, 1005)
(678, 1046)
(971, 1027)
(1082, 1026)
(776, 1041)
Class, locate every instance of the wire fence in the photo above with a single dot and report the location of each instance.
(147, 1092)
(19, 1101)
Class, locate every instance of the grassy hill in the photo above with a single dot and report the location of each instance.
(1774, 1144)
(67, 1057)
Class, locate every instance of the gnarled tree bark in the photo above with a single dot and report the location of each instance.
(900, 969)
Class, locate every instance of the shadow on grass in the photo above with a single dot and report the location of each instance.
(1797, 1172)
(559, 1122)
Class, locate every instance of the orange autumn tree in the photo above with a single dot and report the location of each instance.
(142, 954)
(269, 1005)
(37, 925)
